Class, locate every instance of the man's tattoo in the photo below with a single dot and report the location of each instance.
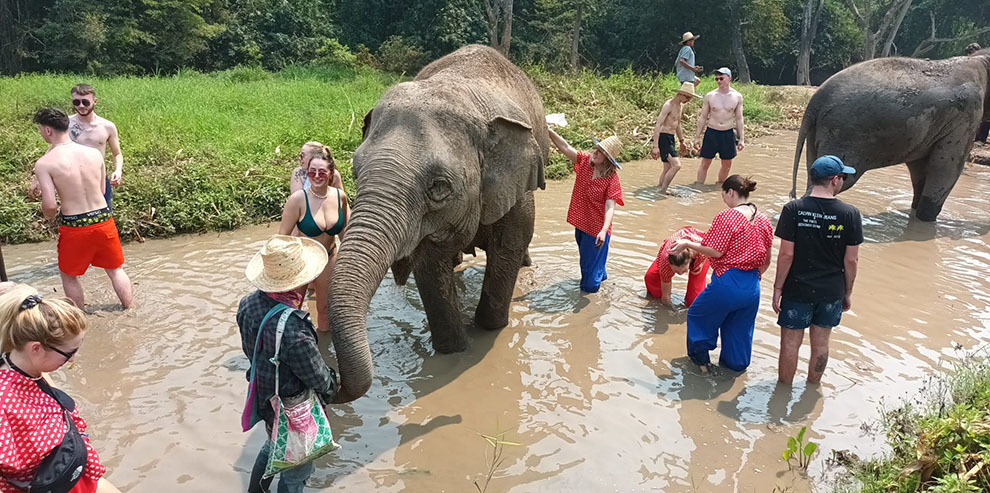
(75, 130)
(300, 173)
(821, 362)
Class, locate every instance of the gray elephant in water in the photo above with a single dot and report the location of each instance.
(449, 163)
(901, 110)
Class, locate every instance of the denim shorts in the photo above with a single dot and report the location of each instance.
(799, 315)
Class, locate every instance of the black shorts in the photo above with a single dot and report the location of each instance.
(667, 148)
(722, 142)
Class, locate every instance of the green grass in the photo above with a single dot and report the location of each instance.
(940, 442)
(206, 152)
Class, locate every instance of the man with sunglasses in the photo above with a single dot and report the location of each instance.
(721, 119)
(89, 129)
(816, 267)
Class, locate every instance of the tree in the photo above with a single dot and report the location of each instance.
(887, 29)
(576, 37)
(809, 27)
(499, 13)
(742, 67)
(933, 41)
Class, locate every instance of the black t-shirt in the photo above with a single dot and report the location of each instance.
(821, 229)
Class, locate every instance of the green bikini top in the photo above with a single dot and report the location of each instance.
(308, 226)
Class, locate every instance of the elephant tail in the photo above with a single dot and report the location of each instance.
(807, 128)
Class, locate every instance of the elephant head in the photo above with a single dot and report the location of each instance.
(440, 157)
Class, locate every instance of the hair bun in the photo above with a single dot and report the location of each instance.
(749, 185)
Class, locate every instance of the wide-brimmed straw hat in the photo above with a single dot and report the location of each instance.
(611, 146)
(688, 37)
(285, 263)
(687, 89)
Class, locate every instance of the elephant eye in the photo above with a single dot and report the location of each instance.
(440, 189)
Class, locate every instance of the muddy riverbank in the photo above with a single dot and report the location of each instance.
(595, 388)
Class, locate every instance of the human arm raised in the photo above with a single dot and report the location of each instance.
(851, 263)
(569, 152)
(680, 245)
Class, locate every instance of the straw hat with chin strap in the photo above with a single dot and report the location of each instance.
(286, 263)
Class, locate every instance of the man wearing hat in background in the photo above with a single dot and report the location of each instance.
(816, 267)
(596, 192)
(281, 271)
(721, 119)
(684, 65)
(669, 124)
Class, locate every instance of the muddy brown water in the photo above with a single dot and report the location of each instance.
(595, 388)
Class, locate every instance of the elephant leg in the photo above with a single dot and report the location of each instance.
(918, 175)
(437, 289)
(944, 165)
(507, 248)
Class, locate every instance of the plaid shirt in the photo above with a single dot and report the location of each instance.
(301, 365)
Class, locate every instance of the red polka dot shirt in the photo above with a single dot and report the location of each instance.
(31, 426)
(587, 210)
(744, 245)
(685, 233)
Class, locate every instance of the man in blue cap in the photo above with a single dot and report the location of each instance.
(816, 267)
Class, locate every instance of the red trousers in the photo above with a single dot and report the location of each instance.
(696, 282)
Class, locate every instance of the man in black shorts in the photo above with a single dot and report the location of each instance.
(816, 267)
(721, 113)
(668, 124)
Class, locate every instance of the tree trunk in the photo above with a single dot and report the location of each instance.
(892, 33)
(506, 28)
(809, 28)
(499, 13)
(492, 23)
(576, 37)
(742, 67)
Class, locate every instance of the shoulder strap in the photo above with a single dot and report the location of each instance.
(306, 199)
(254, 357)
(278, 342)
(338, 199)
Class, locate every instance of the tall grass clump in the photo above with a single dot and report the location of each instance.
(627, 104)
(940, 442)
(201, 151)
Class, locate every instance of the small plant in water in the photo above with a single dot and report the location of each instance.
(497, 445)
(796, 448)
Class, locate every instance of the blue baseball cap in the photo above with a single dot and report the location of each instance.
(828, 166)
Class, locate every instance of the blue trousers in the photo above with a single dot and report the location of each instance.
(291, 481)
(592, 260)
(728, 305)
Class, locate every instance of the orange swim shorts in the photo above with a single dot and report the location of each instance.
(97, 245)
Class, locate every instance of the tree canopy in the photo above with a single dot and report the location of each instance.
(768, 36)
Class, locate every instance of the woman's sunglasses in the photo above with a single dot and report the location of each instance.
(315, 173)
(80, 102)
(68, 355)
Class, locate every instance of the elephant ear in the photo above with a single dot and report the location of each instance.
(512, 162)
(367, 125)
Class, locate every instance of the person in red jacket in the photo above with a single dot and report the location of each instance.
(661, 273)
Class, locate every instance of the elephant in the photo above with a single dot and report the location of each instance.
(449, 163)
(887, 111)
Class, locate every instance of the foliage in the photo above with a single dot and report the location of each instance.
(797, 449)
(201, 152)
(400, 56)
(497, 443)
(940, 441)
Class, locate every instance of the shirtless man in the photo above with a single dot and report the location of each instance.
(88, 129)
(76, 175)
(721, 112)
(669, 124)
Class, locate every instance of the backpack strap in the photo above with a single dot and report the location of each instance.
(278, 342)
(254, 357)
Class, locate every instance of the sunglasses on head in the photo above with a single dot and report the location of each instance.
(68, 355)
(319, 172)
(80, 102)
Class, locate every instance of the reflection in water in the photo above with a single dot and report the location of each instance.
(596, 388)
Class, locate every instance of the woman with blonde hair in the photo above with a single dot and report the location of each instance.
(319, 212)
(43, 446)
(298, 179)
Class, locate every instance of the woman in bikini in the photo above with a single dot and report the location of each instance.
(320, 213)
(38, 336)
(298, 179)
(738, 247)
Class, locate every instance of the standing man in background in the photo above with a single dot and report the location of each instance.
(88, 129)
(685, 68)
(720, 119)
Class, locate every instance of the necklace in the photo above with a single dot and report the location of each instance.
(313, 190)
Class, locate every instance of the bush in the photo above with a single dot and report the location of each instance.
(401, 56)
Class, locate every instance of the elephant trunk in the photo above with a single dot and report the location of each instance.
(369, 246)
